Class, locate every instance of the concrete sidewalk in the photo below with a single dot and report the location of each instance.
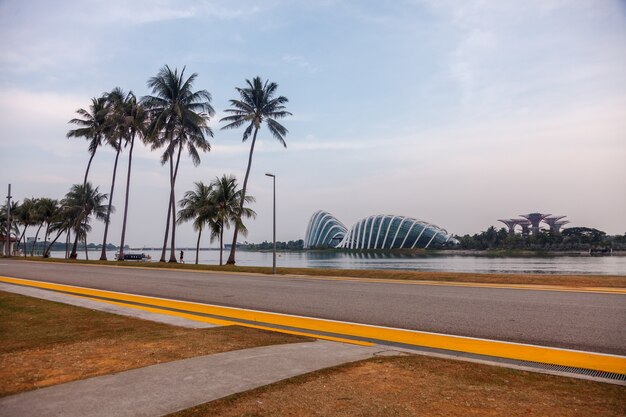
(103, 306)
(165, 388)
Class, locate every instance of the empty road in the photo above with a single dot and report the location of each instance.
(593, 322)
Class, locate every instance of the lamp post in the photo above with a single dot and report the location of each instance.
(7, 237)
(274, 234)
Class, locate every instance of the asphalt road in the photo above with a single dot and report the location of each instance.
(585, 321)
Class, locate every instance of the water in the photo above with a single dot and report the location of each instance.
(579, 265)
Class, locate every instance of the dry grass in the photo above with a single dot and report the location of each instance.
(44, 343)
(610, 281)
(421, 386)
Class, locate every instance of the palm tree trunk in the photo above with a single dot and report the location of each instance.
(103, 255)
(167, 226)
(67, 244)
(169, 211)
(74, 254)
(32, 249)
(86, 252)
(46, 253)
(20, 239)
(221, 242)
(130, 161)
(45, 240)
(169, 214)
(198, 245)
(173, 198)
(233, 248)
(88, 166)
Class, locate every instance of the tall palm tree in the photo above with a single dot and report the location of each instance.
(226, 198)
(198, 206)
(135, 119)
(91, 127)
(178, 118)
(81, 202)
(257, 104)
(116, 132)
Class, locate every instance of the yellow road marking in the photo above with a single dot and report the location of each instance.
(519, 351)
(531, 287)
(218, 322)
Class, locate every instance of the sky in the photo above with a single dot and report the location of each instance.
(456, 113)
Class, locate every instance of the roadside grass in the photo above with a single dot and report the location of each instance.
(421, 386)
(607, 281)
(44, 343)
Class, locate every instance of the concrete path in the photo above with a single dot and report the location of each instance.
(165, 388)
(109, 308)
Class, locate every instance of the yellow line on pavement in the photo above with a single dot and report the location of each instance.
(531, 287)
(219, 322)
(565, 357)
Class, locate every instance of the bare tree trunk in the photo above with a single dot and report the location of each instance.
(130, 161)
(198, 246)
(233, 248)
(103, 255)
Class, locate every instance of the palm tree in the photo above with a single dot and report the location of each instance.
(226, 198)
(60, 223)
(9, 219)
(256, 105)
(26, 215)
(136, 119)
(48, 209)
(81, 202)
(36, 220)
(91, 127)
(198, 206)
(116, 131)
(178, 118)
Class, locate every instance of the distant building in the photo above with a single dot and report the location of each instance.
(382, 231)
(531, 223)
(555, 223)
(534, 219)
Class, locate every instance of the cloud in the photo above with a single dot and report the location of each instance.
(299, 61)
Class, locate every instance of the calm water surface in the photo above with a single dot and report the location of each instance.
(610, 265)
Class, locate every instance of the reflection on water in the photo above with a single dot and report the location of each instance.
(610, 265)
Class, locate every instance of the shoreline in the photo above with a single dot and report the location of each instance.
(488, 253)
(569, 280)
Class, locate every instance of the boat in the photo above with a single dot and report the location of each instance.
(601, 252)
(140, 257)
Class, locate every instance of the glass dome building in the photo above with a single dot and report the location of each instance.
(382, 231)
(324, 231)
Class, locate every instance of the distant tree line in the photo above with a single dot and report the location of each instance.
(572, 238)
(291, 245)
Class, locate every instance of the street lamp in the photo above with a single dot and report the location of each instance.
(7, 237)
(274, 234)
